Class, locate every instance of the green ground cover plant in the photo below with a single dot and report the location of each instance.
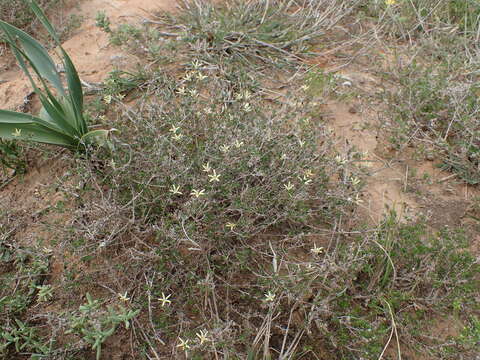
(435, 101)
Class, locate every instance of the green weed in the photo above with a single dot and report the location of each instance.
(435, 107)
(95, 325)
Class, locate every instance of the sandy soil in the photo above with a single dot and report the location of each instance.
(89, 48)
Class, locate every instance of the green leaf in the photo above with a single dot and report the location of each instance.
(36, 53)
(58, 116)
(73, 80)
(98, 137)
(61, 113)
(60, 121)
(21, 126)
(43, 19)
(75, 92)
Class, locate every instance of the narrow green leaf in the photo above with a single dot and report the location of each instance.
(36, 53)
(75, 92)
(21, 126)
(61, 115)
(43, 19)
(58, 115)
(14, 117)
(98, 137)
(74, 84)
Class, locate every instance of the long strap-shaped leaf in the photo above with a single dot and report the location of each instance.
(37, 53)
(73, 80)
(15, 125)
(59, 116)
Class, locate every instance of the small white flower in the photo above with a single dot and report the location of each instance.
(247, 94)
(120, 96)
(193, 92)
(124, 297)
(208, 111)
(174, 129)
(301, 142)
(47, 250)
(284, 156)
(107, 99)
(177, 136)
(17, 133)
(164, 300)
(247, 107)
(201, 77)
(288, 186)
(183, 344)
(316, 250)
(238, 144)
(214, 177)
(355, 181)
(196, 64)
(181, 91)
(188, 76)
(197, 193)
(357, 200)
(206, 167)
(306, 180)
(304, 87)
(269, 297)
(175, 190)
(308, 173)
(203, 336)
(340, 160)
(230, 225)
(224, 148)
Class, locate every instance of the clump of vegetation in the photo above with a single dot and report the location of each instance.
(419, 18)
(22, 278)
(12, 156)
(215, 155)
(434, 101)
(441, 111)
(61, 120)
(264, 32)
(386, 284)
(95, 325)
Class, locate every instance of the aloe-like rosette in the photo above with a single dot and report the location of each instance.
(60, 121)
